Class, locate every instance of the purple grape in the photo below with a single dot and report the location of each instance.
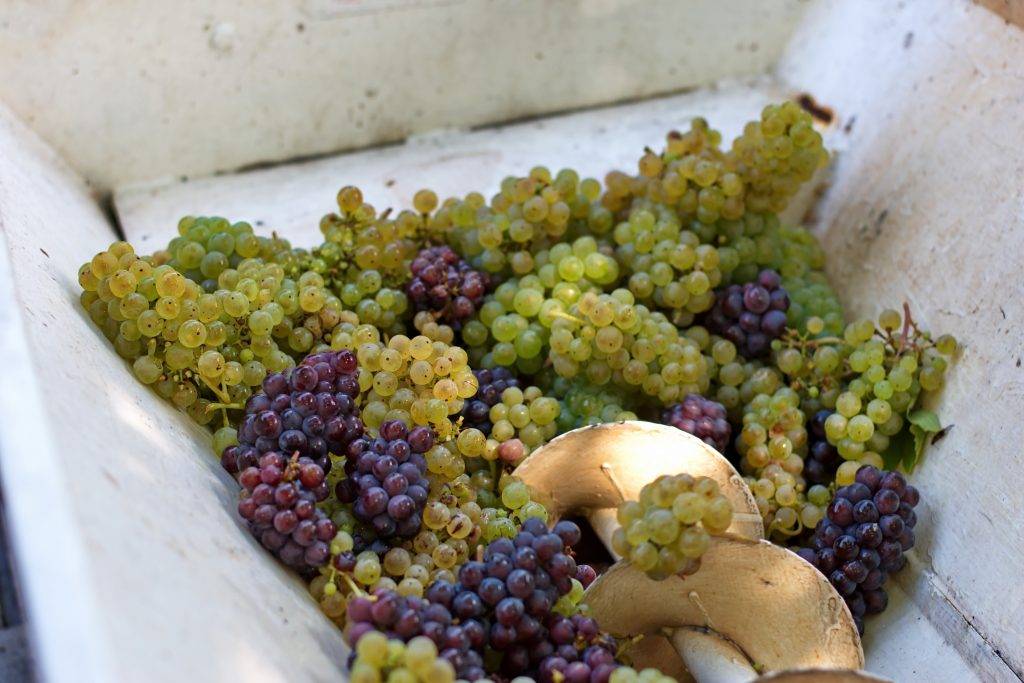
(500, 606)
(701, 417)
(822, 459)
(750, 315)
(445, 285)
(869, 525)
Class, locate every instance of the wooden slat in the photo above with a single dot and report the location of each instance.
(925, 206)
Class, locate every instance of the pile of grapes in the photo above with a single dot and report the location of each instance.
(373, 394)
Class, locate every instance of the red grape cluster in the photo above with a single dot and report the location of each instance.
(459, 640)
(279, 500)
(387, 482)
(704, 418)
(751, 315)
(282, 457)
(868, 527)
(822, 459)
(309, 410)
(503, 603)
(476, 412)
(445, 285)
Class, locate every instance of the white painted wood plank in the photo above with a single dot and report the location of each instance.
(292, 198)
(927, 205)
(131, 91)
(134, 563)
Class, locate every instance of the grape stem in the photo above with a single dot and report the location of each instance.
(356, 590)
(789, 534)
(567, 316)
(222, 395)
(225, 406)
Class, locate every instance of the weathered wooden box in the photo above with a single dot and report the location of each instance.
(117, 117)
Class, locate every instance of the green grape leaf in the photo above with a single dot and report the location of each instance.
(924, 424)
(901, 449)
(921, 438)
(926, 420)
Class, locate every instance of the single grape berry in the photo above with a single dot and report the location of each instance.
(869, 525)
(751, 315)
(701, 417)
(445, 285)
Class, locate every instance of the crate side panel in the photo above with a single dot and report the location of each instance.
(292, 198)
(927, 206)
(198, 86)
(184, 592)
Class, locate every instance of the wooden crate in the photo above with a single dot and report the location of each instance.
(130, 556)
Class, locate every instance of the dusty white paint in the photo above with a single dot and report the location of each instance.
(130, 553)
(927, 206)
(292, 198)
(131, 91)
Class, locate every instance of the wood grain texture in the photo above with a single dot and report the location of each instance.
(926, 205)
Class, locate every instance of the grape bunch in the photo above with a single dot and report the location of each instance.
(446, 286)
(378, 658)
(583, 404)
(669, 528)
(204, 321)
(279, 501)
(528, 215)
(701, 417)
(772, 445)
(751, 315)
(889, 366)
(309, 410)
(365, 258)
(609, 339)
(417, 381)
(514, 419)
(519, 602)
(387, 484)
(870, 524)
(759, 173)
(669, 268)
